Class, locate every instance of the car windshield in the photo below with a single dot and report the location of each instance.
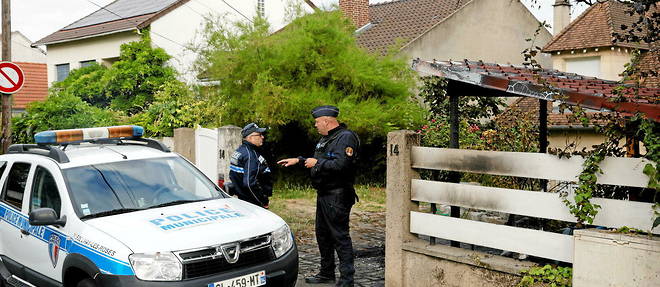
(117, 187)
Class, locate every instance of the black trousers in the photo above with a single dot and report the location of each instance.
(332, 234)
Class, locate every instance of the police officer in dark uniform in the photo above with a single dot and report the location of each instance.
(249, 171)
(333, 176)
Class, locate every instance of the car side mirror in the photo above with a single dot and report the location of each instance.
(46, 216)
(229, 188)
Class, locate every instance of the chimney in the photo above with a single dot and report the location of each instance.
(356, 10)
(562, 16)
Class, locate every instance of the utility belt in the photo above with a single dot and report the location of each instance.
(341, 191)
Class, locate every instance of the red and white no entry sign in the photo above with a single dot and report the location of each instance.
(11, 78)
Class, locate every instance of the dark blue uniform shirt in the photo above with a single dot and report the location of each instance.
(251, 175)
(336, 154)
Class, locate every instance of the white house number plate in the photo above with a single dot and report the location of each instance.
(249, 280)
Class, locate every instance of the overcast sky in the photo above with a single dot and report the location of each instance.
(38, 18)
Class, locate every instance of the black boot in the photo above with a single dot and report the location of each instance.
(320, 278)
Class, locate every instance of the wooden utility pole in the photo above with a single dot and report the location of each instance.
(5, 139)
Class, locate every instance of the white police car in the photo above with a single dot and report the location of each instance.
(105, 207)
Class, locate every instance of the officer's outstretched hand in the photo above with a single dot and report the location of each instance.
(310, 162)
(288, 162)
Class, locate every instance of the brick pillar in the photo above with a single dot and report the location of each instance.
(356, 10)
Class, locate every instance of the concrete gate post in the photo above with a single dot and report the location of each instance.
(398, 203)
(229, 139)
(184, 143)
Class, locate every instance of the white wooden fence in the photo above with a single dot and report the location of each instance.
(613, 213)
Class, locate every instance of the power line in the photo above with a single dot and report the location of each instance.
(239, 12)
(175, 42)
(198, 13)
(113, 13)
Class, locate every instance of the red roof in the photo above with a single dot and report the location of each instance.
(589, 92)
(650, 61)
(35, 87)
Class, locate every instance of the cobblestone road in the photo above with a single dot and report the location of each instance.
(368, 234)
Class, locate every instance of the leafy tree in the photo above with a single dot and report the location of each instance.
(175, 106)
(87, 83)
(277, 79)
(129, 85)
(132, 82)
(100, 96)
(59, 111)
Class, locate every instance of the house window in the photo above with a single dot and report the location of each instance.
(87, 63)
(62, 71)
(586, 66)
(261, 8)
(109, 61)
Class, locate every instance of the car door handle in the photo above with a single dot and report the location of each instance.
(25, 232)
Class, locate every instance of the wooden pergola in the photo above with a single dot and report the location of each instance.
(479, 79)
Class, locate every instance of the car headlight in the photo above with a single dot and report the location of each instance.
(282, 240)
(156, 266)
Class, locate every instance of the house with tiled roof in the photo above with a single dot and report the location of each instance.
(32, 61)
(587, 46)
(174, 25)
(586, 51)
(489, 30)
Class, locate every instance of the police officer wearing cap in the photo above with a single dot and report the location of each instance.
(333, 176)
(249, 171)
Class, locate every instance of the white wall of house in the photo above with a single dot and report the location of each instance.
(490, 30)
(179, 30)
(611, 62)
(104, 50)
(21, 51)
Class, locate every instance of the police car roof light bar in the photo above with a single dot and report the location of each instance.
(53, 152)
(58, 137)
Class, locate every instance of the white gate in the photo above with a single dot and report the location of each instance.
(206, 152)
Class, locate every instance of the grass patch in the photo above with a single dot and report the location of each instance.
(372, 198)
(293, 191)
(296, 204)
